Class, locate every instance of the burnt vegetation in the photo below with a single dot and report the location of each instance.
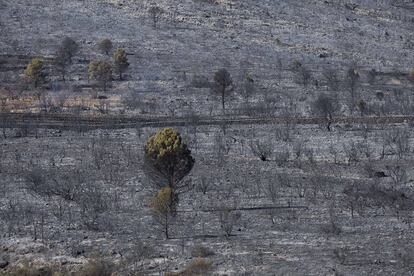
(207, 138)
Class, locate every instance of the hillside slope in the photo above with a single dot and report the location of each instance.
(195, 38)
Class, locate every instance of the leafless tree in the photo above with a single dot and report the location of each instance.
(310, 154)
(352, 80)
(372, 75)
(288, 114)
(222, 147)
(200, 81)
(402, 143)
(228, 219)
(36, 180)
(132, 101)
(261, 149)
(353, 198)
(64, 55)
(14, 214)
(404, 254)
(39, 226)
(70, 47)
(342, 254)
(332, 228)
(282, 157)
(248, 88)
(223, 84)
(99, 150)
(396, 141)
(138, 252)
(55, 182)
(204, 185)
(273, 189)
(300, 186)
(362, 107)
(62, 62)
(352, 152)
(327, 107)
(102, 106)
(5, 121)
(332, 79)
(105, 46)
(303, 74)
(333, 151)
(327, 188)
(155, 13)
(278, 67)
(397, 172)
(315, 183)
(94, 201)
(67, 184)
(298, 147)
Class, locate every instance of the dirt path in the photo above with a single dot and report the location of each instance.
(69, 121)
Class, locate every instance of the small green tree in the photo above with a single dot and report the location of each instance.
(120, 61)
(101, 71)
(223, 84)
(163, 206)
(35, 72)
(105, 45)
(168, 158)
(167, 161)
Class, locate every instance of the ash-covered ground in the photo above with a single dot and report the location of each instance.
(289, 198)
